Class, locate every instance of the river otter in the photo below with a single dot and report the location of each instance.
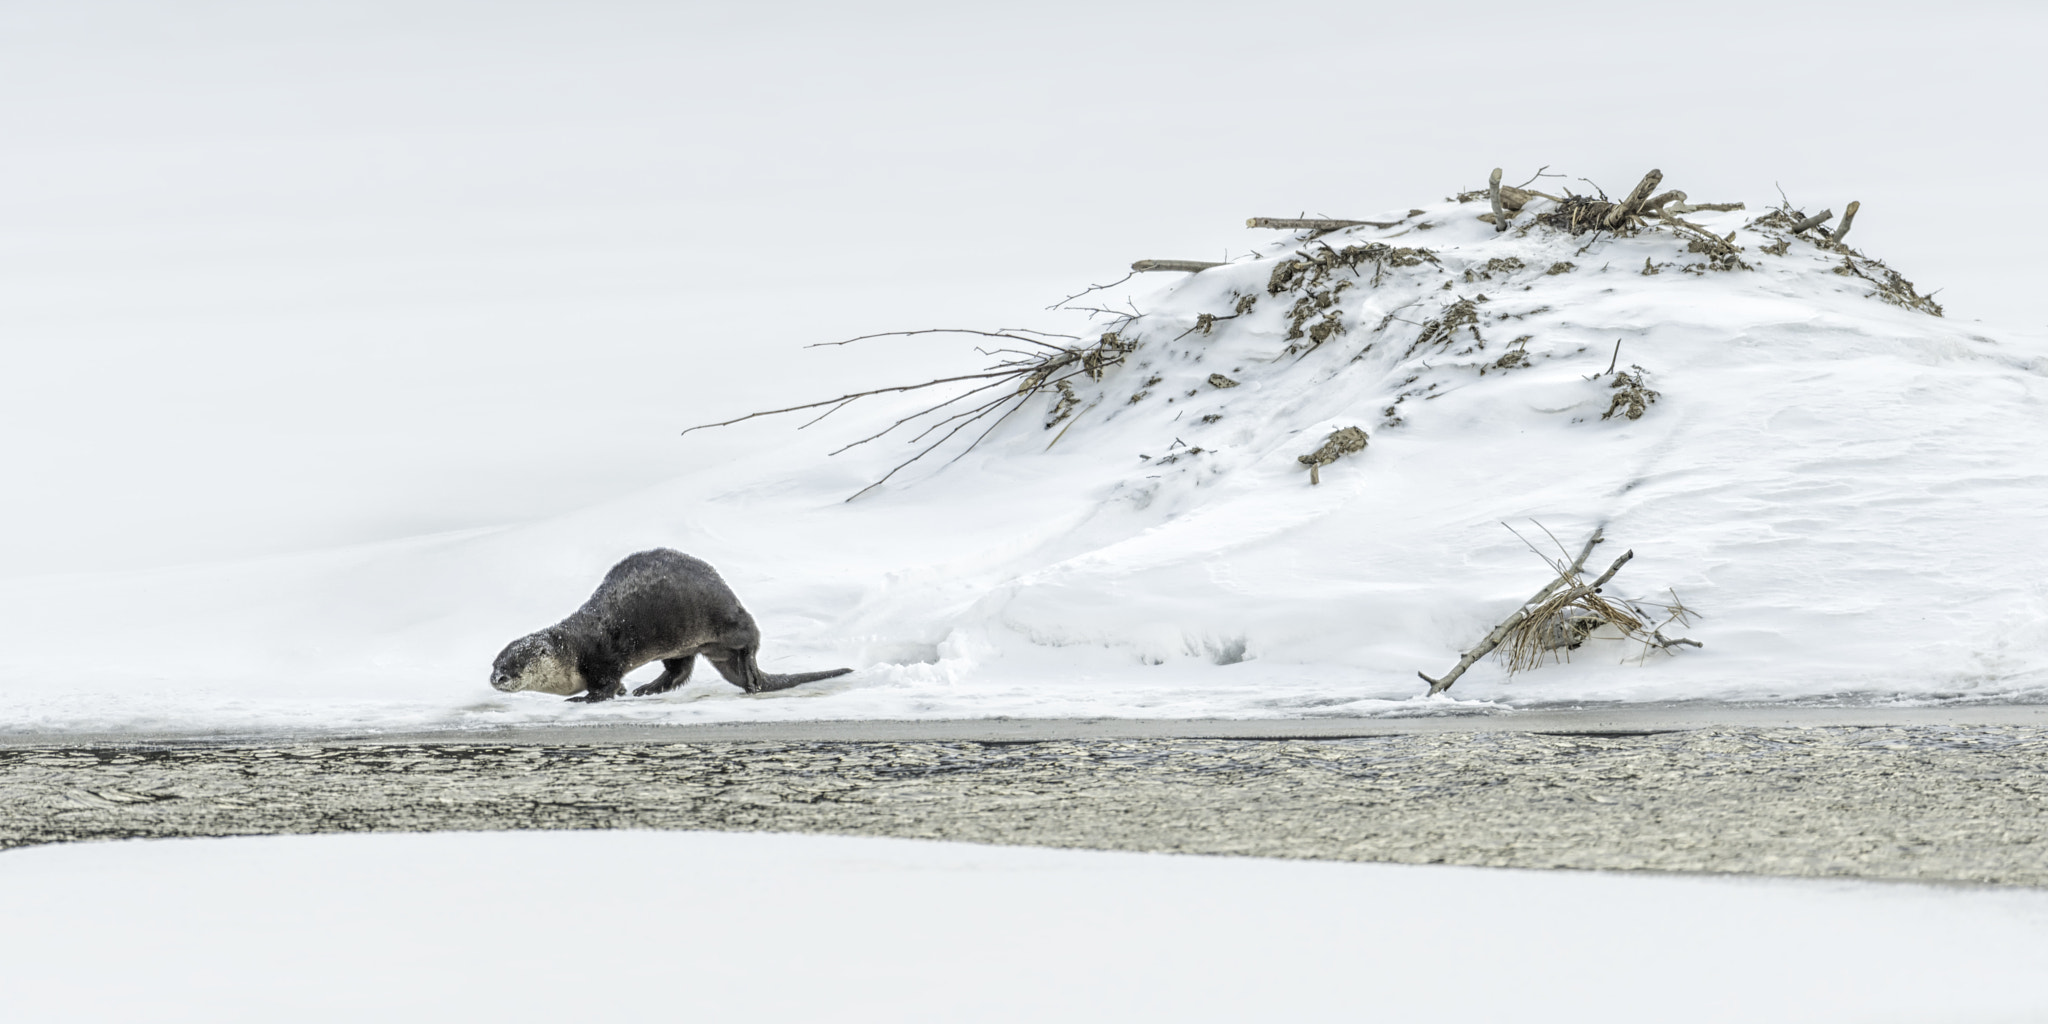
(655, 605)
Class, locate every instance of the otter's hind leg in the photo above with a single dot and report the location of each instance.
(674, 673)
(737, 666)
(740, 669)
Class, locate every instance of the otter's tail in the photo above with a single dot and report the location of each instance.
(776, 681)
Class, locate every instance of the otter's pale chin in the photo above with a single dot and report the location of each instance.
(549, 674)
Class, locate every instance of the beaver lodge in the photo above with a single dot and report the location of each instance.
(1299, 465)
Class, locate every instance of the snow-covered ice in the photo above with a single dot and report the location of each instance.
(530, 926)
(346, 344)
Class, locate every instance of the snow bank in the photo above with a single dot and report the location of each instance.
(1849, 492)
(530, 926)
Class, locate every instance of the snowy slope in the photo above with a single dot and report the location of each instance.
(805, 928)
(1850, 493)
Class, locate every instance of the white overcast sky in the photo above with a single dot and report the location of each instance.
(279, 276)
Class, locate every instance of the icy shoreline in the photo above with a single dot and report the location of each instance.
(1437, 716)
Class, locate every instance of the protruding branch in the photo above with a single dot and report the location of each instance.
(1595, 586)
(1500, 632)
(1182, 266)
(1500, 213)
(1009, 335)
(1848, 218)
(1682, 207)
(1812, 222)
(1628, 207)
(844, 399)
(1655, 204)
(1092, 288)
(1315, 223)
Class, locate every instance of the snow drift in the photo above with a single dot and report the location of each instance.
(1848, 489)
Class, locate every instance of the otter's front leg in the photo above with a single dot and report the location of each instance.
(600, 690)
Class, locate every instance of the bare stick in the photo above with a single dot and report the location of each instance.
(1616, 359)
(857, 394)
(1500, 213)
(1557, 566)
(1034, 330)
(1627, 207)
(1594, 587)
(1812, 222)
(1500, 632)
(998, 400)
(976, 412)
(1183, 266)
(1105, 312)
(1092, 288)
(1515, 197)
(915, 415)
(1656, 203)
(829, 412)
(1316, 224)
(1684, 207)
(971, 445)
(1553, 539)
(927, 450)
(1848, 218)
(1004, 334)
(1713, 241)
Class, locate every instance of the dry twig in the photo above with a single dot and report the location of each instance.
(1093, 288)
(1180, 266)
(1022, 376)
(1316, 223)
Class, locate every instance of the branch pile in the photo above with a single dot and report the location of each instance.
(1564, 615)
(1313, 279)
(1789, 225)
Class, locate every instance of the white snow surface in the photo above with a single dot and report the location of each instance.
(536, 925)
(1850, 494)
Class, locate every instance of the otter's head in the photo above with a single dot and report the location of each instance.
(535, 663)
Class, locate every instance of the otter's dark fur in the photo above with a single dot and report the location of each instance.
(658, 605)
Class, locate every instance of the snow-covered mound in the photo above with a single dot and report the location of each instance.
(1847, 489)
